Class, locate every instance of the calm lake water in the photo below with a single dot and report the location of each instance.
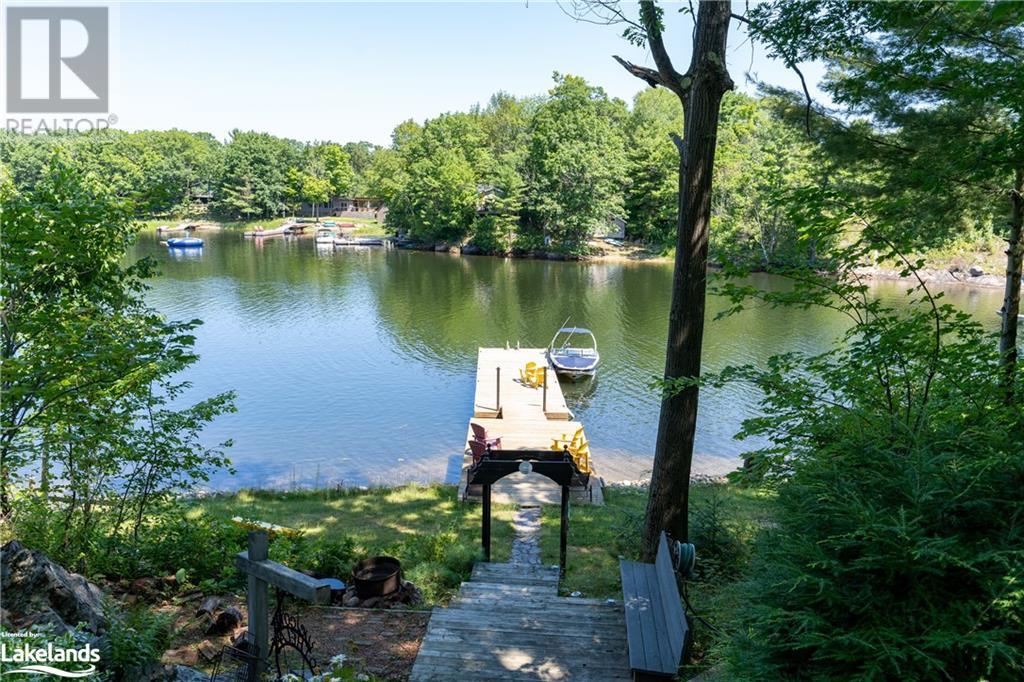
(357, 366)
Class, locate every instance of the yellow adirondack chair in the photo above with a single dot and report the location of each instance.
(579, 449)
(574, 442)
(532, 375)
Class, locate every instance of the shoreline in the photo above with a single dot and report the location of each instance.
(643, 483)
(637, 254)
(640, 255)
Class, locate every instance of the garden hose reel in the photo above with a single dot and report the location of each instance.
(685, 558)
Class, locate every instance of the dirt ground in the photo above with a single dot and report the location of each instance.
(380, 642)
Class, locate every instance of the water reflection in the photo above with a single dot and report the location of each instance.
(183, 254)
(357, 364)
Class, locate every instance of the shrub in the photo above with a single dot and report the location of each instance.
(333, 558)
(174, 536)
(898, 548)
(439, 562)
(134, 642)
(715, 531)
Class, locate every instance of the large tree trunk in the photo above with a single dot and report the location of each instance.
(1011, 297)
(668, 503)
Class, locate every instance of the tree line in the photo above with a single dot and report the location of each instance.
(177, 173)
(543, 173)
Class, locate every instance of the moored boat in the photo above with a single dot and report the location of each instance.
(573, 352)
(358, 241)
(185, 243)
(324, 236)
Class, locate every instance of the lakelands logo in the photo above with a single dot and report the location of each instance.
(57, 62)
(50, 660)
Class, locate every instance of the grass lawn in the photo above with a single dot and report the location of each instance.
(436, 537)
(598, 536)
(245, 225)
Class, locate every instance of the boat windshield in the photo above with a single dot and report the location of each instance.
(580, 334)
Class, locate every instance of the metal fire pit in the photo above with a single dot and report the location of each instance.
(377, 577)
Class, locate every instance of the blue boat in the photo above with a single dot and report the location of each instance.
(185, 243)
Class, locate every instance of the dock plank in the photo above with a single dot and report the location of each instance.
(517, 399)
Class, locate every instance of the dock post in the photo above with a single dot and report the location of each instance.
(563, 531)
(256, 598)
(497, 383)
(544, 378)
(486, 528)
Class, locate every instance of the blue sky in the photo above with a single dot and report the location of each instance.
(352, 71)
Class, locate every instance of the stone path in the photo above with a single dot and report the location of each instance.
(526, 545)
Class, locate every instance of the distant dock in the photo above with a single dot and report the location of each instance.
(287, 228)
(525, 418)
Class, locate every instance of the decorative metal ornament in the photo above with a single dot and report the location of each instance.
(288, 633)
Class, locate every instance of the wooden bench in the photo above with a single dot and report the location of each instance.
(656, 627)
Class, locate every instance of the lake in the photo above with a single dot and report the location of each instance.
(357, 366)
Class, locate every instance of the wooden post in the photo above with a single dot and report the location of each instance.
(259, 621)
(497, 385)
(486, 521)
(564, 531)
(544, 378)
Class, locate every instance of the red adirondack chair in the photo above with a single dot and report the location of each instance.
(480, 436)
(477, 449)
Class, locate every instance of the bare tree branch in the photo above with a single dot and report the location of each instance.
(650, 76)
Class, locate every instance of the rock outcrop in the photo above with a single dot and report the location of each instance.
(37, 590)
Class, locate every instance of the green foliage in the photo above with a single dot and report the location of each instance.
(159, 171)
(518, 174)
(134, 641)
(333, 557)
(652, 197)
(898, 543)
(942, 87)
(255, 174)
(760, 157)
(721, 536)
(92, 439)
(576, 162)
(439, 561)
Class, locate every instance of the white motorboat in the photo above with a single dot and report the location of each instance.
(573, 352)
(325, 237)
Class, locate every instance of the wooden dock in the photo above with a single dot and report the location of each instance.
(525, 418)
(287, 228)
(508, 623)
(517, 399)
(183, 227)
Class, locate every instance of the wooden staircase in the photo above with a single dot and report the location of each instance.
(508, 623)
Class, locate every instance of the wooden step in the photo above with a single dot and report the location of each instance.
(506, 591)
(515, 663)
(427, 670)
(508, 623)
(536, 628)
(499, 591)
(593, 643)
(514, 574)
(517, 570)
(550, 607)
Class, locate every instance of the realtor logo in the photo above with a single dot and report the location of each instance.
(58, 59)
